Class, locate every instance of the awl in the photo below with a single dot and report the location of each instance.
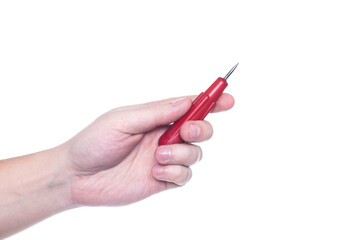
(201, 106)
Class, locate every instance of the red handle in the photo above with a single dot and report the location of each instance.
(201, 106)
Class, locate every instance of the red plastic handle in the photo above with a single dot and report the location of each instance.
(201, 106)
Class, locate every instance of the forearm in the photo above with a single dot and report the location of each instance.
(32, 188)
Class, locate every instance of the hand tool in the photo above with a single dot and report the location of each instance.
(201, 106)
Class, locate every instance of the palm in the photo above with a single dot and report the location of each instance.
(122, 174)
(112, 161)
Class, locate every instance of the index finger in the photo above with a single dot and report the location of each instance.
(224, 102)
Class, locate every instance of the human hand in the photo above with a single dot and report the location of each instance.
(116, 160)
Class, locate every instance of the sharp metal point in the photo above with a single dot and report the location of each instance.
(231, 71)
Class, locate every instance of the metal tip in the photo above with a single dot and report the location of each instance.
(231, 71)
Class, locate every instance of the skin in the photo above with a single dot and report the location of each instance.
(114, 161)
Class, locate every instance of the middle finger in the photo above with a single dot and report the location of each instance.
(178, 154)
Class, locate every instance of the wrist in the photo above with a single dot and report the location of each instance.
(36, 186)
(59, 183)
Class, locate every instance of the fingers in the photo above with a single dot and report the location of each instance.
(176, 174)
(224, 103)
(196, 131)
(174, 161)
(145, 117)
(178, 154)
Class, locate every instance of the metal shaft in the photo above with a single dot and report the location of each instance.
(231, 71)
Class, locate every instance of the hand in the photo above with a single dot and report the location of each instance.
(116, 160)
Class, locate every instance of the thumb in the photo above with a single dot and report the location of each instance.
(145, 117)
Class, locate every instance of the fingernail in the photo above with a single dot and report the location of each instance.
(194, 130)
(178, 101)
(165, 154)
(159, 170)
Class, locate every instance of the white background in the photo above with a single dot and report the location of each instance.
(269, 172)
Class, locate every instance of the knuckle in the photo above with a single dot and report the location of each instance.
(184, 177)
(199, 154)
(179, 174)
(196, 155)
(209, 129)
